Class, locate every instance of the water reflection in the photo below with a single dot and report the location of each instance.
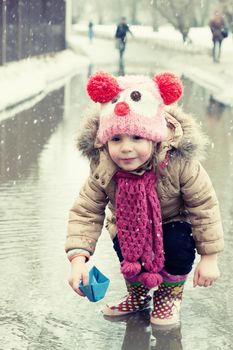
(141, 335)
(169, 339)
(137, 330)
(121, 70)
(89, 70)
(214, 109)
(24, 136)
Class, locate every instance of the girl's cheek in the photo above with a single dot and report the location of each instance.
(148, 149)
(148, 153)
(113, 154)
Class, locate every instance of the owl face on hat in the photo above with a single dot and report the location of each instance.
(133, 105)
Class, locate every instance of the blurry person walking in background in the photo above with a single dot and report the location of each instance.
(90, 31)
(219, 31)
(121, 35)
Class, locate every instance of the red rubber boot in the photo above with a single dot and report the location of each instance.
(137, 299)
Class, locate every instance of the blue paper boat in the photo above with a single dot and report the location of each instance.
(97, 287)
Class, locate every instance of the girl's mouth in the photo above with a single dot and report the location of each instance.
(127, 160)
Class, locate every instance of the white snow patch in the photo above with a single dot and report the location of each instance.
(34, 77)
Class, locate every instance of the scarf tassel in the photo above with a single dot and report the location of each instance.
(150, 279)
(130, 269)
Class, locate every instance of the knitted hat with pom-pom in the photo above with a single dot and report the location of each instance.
(133, 105)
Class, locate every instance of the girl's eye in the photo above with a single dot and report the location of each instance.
(135, 137)
(115, 139)
(115, 99)
(135, 96)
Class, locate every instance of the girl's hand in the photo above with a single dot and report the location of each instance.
(207, 271)
(79, 272)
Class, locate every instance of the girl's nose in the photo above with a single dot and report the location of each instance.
(121, 109)
(126, 146)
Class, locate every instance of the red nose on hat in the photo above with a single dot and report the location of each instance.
(121, 109)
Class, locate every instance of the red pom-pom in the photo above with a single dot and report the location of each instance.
(102, 87)
(170, 87)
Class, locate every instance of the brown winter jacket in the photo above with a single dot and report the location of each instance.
(184, 188)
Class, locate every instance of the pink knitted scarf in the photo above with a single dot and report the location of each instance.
(139, 225)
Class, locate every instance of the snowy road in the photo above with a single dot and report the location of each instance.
(40, 175)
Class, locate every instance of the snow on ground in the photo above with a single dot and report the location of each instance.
(34, 77)
(22, 80)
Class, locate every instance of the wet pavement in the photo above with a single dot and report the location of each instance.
(40, 174)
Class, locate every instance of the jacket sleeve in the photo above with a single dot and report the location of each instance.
(86, 217)
(201, 202)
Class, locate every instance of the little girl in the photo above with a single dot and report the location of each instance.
(145, 164)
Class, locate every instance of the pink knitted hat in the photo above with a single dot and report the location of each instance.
(133, 105)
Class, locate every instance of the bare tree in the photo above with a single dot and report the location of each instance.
(202, 12)
(116, 10)
(227, 8)
(154, 15)
(180, 13)
(78, 8)
(99, 8)
(133, 9)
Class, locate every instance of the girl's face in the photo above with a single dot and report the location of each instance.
(129, 152)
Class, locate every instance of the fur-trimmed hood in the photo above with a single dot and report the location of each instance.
(185, 138)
